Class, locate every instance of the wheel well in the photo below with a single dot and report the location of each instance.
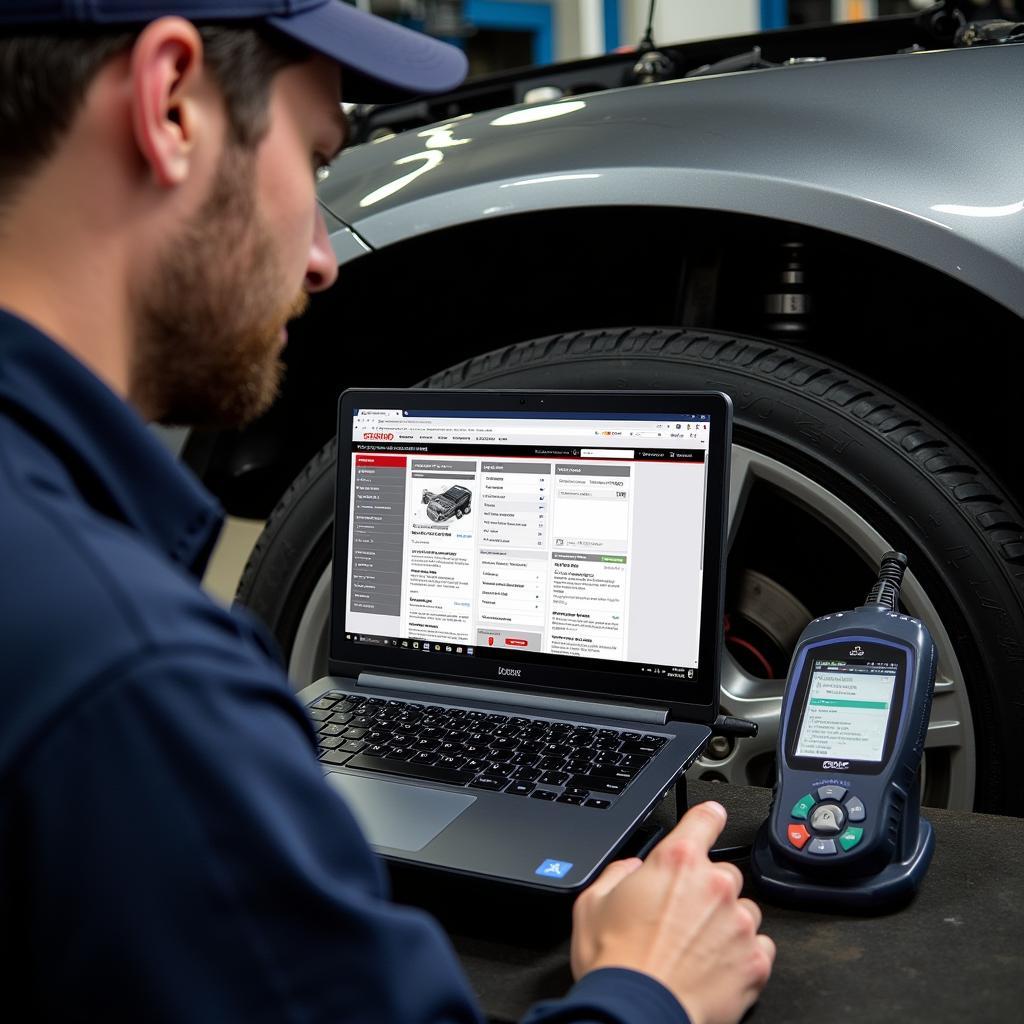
(402, 313)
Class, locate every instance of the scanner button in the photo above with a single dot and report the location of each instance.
(802, 807)
(827, 818)
(855, 809)
(851, 837)
(831, 793)
(822, 847)
(797, 836)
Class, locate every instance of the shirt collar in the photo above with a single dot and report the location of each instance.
(119, 466)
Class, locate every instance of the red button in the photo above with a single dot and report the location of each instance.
(514, 641)
(798, 836)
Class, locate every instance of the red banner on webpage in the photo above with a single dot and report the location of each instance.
(390, 461)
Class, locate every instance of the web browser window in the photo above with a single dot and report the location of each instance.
(530, 536)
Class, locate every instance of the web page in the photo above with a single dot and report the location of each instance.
(569, 537)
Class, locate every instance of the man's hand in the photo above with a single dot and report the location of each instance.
(678, 917)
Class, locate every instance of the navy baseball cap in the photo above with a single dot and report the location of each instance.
(383, 62)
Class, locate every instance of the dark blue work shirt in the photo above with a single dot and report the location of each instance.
(169, 850)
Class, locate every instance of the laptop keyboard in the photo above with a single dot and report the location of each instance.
(542, 759)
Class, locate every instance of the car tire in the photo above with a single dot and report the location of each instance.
(844, 468)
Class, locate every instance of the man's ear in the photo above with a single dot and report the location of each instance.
(166, 65)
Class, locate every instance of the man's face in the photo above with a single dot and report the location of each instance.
(210, 319)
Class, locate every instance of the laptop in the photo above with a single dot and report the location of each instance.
(526, 605)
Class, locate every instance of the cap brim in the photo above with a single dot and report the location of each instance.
(384, 62)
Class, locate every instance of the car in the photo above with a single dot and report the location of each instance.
(455, 502)
(825, 222)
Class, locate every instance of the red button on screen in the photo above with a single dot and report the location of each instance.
(798, 836)
(514, 641)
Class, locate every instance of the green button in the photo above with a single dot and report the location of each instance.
(802, 807)
(851, 837)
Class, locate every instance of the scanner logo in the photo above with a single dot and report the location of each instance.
(857, 652)
(502, 671)
(834, 765)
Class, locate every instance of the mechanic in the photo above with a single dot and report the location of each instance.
(168, 847)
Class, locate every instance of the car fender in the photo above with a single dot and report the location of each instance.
(916, 153)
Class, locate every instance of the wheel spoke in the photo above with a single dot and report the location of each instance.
(756, 700)
(741, 479)
(308, 659)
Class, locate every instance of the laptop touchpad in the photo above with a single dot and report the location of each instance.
(393, 814)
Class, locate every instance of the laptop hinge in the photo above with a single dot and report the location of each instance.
(528, 702)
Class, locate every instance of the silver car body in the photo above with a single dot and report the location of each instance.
(920, 153)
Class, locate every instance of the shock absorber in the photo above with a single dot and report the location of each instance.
(788, 307)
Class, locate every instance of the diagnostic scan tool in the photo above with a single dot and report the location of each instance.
(844, 830)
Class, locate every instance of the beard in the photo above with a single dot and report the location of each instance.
(208, 322)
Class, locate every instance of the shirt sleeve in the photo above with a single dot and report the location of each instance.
(612, 995)
(186, 861)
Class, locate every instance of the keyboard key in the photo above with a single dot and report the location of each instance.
(528, 760)
(543, 794)
(554, 778)
(576, 791)
(352, 734)
(575, 800)
(655, 741)
(451, 760)
(352, 746)
(639, 748)
(323, 702)
(520, 788)
(331, 729)
(601, 804)
(550, 764)
(329, 742)
(334, 757)
(376, 750)
(406, 768)
(474, 764)
(612, 771)
(423, 757)
(320, 715)
(634, 761)
(400, 753)
(489, 782)
(599, 785)
(526, 774)
(340, 718)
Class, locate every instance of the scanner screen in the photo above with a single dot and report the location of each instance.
(847, 710)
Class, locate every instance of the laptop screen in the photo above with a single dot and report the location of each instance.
(511, 544)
